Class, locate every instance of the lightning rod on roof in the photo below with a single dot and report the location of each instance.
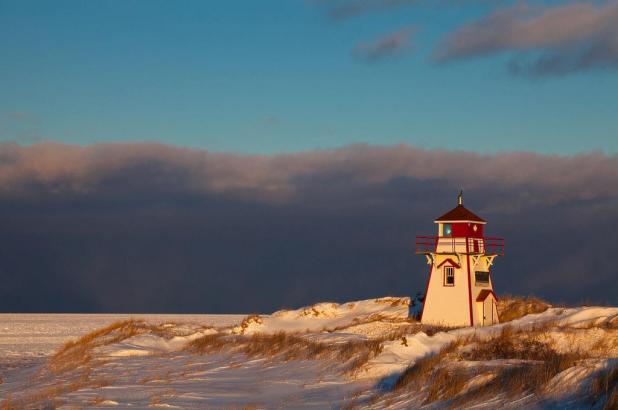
(460, 198)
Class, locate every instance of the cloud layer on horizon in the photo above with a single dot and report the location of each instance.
(150, 227)
(57, 168)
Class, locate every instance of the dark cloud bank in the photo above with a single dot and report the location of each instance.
(154, 228)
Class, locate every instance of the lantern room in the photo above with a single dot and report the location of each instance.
(460, 222)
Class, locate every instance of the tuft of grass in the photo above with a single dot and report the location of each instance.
(439, 378)
(158, 399)
(401, 332)
(514, 307)
(213, 343)
(8, 403)
(540, 363)
(444, 384)
(78, 353)
(419, 374)
(545, 362)
(605, 385)
(246, 322)
(431, 330)
(510, 345)
(376, 317)
(48, 396)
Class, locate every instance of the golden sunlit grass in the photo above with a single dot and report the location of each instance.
(47, 397)
(287, 346)
(159, 399)
(515, 307)
(418, 375)
(441, 378)
(78, 353)
(605, 384)
(75, 355)
(511, 344)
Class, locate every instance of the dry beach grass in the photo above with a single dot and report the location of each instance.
(514, 307)
(287, 346)
(532, 363)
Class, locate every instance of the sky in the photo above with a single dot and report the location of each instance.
(290, 75)
(238, 157)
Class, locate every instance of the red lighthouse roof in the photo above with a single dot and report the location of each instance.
(460, 214)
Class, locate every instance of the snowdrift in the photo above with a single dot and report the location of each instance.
(398, 354)
(328, 317)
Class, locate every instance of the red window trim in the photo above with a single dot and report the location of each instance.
(452, 262)
(445, 275)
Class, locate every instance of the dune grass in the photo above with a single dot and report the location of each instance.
(605, 385)
(288, 346)
(47, 397)
(79, 352)
(441, 377)
(515, 307)
(421, 373)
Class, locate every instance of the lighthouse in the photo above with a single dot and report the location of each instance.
(459, 288)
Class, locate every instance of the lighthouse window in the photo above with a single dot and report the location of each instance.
(482, 278)
(447, 230)
(449, 276)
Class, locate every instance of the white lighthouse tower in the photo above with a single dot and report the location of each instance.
(459, 289)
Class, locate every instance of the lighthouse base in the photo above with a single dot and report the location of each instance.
(460, 291)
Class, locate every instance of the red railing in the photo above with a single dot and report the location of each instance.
(447, 244)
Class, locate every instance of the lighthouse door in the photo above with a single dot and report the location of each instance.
(488, 311)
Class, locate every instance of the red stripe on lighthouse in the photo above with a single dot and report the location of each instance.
(469, 289)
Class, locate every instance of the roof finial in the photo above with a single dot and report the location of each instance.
(460, 198)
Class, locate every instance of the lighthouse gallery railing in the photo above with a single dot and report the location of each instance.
(488, 245)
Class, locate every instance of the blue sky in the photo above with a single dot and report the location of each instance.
(280, 76)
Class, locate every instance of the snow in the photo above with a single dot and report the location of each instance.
(148, 344)
(397, 355)
(154, 369)
(328, 316)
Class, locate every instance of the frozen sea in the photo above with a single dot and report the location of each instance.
(27, 338)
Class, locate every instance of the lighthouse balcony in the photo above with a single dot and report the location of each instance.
(464, 245)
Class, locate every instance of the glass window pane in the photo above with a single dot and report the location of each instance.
(482, 278)
(449, 275)
(447, 230)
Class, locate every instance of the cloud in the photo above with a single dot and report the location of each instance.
(56, 167)
(391, 44)
(151, 227)
(546, 40)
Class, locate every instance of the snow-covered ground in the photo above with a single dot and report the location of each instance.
(338, 354)
(35, 335)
